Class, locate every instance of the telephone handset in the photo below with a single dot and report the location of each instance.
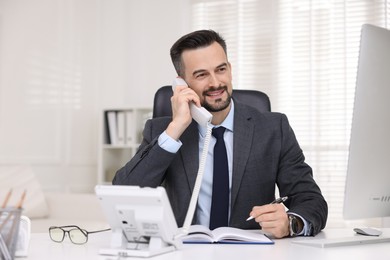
(199, 114)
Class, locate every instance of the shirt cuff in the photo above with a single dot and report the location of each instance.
(306, 231)
(168, 143)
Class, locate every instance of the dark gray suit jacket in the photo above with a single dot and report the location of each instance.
(265, 153)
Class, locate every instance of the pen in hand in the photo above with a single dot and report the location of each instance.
(277, 201)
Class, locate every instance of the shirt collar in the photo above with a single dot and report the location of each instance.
(227, 123)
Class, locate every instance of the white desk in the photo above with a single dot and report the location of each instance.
(41, 247)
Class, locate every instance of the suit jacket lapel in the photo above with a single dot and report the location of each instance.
(190, 155)
(242, 142)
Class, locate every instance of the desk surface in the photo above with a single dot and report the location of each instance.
(41, 247)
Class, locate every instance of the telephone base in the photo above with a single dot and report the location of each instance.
(122, 248)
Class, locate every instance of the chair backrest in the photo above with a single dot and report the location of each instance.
(253, 98)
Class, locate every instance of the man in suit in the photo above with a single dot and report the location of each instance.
(261, 148)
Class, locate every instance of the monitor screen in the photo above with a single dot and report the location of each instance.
(367, 190)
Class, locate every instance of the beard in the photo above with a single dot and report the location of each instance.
(219, 104)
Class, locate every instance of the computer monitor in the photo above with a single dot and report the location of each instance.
(367, 191)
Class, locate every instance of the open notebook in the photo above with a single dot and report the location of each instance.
(199, 234)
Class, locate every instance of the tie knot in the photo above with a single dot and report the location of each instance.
(218, 132)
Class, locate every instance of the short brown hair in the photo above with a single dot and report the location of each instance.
(194, 40)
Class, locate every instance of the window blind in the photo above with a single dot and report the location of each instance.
(303, 54)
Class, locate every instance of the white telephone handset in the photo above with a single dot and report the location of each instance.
(199, 114)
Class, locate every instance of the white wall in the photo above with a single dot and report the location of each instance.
(62, 61)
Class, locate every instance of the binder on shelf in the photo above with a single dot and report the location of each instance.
(113, 154)
(130, 133)
(112, 127)
(121, 127)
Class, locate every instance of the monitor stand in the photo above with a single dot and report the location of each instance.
(343, 241)
(355, 239)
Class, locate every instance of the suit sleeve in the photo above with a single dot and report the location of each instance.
(147, 168)
(295, 179)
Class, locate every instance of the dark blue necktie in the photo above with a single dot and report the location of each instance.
(220, 196)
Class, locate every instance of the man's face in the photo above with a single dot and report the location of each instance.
(208, 72)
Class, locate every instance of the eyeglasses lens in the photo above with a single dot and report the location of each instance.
(77, 236)
(57, 234)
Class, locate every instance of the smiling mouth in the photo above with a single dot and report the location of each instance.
(215, 93)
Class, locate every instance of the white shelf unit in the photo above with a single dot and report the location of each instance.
(113, 154)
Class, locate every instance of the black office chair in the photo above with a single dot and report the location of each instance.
(254, 98)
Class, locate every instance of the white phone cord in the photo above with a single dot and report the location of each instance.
(198, 182)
